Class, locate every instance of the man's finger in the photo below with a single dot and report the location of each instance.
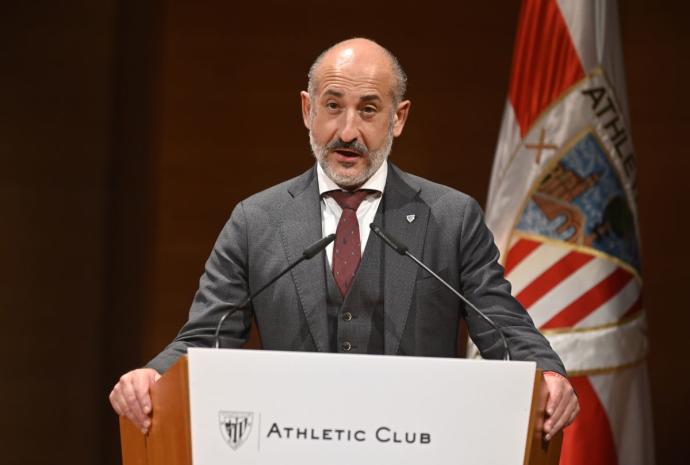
(135, 414)
(120, 405)
(141, 384)
(573, 411)
(557, 411)
(553, 402)
(115, 401)
(555, 393)
(565, 417)
(562, 405)
(572, 405)
(565, 414)
(130, 397)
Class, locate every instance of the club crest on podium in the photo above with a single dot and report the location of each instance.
(235, 427)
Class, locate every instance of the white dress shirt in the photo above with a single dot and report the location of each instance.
(331, 211)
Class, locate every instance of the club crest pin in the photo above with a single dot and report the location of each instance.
(410, 218)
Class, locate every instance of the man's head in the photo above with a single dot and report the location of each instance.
(353, 109)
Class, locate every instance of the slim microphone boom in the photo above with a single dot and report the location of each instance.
(308, 253)
(403, 250)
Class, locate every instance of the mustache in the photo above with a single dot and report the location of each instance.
(353, 145)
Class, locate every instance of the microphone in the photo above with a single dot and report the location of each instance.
(308, 253)
(403, 250)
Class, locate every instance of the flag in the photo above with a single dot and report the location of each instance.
(562, 207)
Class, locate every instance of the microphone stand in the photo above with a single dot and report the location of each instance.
(308, 253)
(403, 250)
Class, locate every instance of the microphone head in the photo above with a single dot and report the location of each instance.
(317, 246)
(388, 239)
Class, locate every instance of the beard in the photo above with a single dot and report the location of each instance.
(375, 158)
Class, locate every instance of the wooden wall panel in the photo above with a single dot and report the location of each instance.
(130, 129)
(55, 84)
(657, 54)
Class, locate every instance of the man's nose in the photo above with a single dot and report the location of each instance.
(350, 127)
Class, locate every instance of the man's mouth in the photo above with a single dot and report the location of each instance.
(348, 153)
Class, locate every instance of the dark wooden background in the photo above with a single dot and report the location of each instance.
(129, 129)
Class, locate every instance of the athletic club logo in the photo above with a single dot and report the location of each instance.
(580, 200)
(235, 427)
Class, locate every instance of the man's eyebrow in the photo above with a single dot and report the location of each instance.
(370, 98)
(335, 93)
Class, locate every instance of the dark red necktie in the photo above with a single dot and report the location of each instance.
(347, 248)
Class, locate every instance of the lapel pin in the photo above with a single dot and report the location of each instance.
(410, 218)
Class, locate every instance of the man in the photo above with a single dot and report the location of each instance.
(360, 297)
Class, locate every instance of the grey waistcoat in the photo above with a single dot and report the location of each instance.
(355, 322)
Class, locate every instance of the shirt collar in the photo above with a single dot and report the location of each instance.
(376, 182)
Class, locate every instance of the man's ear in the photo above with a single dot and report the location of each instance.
(401, 117)
(306, 108)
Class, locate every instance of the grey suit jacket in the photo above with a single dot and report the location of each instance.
(271, 229)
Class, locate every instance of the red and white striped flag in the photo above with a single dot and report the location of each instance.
(562, 209)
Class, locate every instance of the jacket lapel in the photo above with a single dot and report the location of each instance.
(301, 227)
(405, 217)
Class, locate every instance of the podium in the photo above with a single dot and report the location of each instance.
(220, 406)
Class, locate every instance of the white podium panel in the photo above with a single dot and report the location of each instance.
(265, 407)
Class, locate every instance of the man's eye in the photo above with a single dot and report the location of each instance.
(369, 110)
(332, 106)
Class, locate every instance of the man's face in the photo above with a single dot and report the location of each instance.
(352, 119)
(350, 164)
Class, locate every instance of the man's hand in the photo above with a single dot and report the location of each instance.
(130, 396)
(562, 405)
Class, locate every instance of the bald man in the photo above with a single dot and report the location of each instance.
(358, 297)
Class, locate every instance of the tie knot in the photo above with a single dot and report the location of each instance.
(350, 200)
